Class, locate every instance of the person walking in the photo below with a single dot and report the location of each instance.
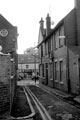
(34, 76)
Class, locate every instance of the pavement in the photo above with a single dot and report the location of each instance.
(52, 90)
(27, 82)
(55, 91)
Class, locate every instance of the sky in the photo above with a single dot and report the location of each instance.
(26, 14)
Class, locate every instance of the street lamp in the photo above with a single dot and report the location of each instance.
(35, 64)
(34, 60)
(67, 65)
(21, 66)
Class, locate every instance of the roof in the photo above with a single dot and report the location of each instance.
(27, 59)
(4, 21)
(55, 28)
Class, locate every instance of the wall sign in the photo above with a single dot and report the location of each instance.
(4, 32)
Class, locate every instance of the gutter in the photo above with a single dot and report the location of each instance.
(24, 117)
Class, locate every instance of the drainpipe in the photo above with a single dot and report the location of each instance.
(67, 65)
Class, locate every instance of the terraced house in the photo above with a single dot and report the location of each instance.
(59, 51)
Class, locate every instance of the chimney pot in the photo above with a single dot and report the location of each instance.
(48, 24)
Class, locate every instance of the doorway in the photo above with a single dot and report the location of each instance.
(46, 73)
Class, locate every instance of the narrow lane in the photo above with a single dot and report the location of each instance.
(44, 114)
(67, 98)
(57, 108)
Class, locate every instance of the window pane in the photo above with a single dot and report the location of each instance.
(61, 70)
(51, 70)
(56, 71)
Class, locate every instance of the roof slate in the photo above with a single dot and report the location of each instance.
(27, 59)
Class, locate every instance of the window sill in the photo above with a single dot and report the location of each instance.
(56, 80)
(51, 79)
(61, 82)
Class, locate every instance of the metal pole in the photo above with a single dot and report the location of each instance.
(68, 70)
(21, 68)
(53, 60)
(67, 65)
(34, 60)
(35, 64)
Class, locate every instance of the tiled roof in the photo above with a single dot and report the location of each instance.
(55, 28)
(27, 59)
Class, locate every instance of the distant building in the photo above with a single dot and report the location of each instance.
(9, 64)
(59, 50)
(27, 64)
(31, 51)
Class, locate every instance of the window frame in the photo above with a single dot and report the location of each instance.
(61, 70)
(56, 70)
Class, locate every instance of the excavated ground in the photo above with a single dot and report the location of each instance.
(20, 105)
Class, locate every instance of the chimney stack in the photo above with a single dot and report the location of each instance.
(42, 25)
(48, 24)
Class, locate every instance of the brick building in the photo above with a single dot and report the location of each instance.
(59, 50)
(27, 64)
(8, 38)
(5, 84)
(8, 75)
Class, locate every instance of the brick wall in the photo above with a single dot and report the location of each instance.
(9, 45)
(8, 42)
(5, 84)
(77, 10)
(4, 98)
(70, 28)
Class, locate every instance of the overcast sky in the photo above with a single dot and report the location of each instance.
(26, 14)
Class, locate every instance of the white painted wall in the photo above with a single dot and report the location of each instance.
(30, 66)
